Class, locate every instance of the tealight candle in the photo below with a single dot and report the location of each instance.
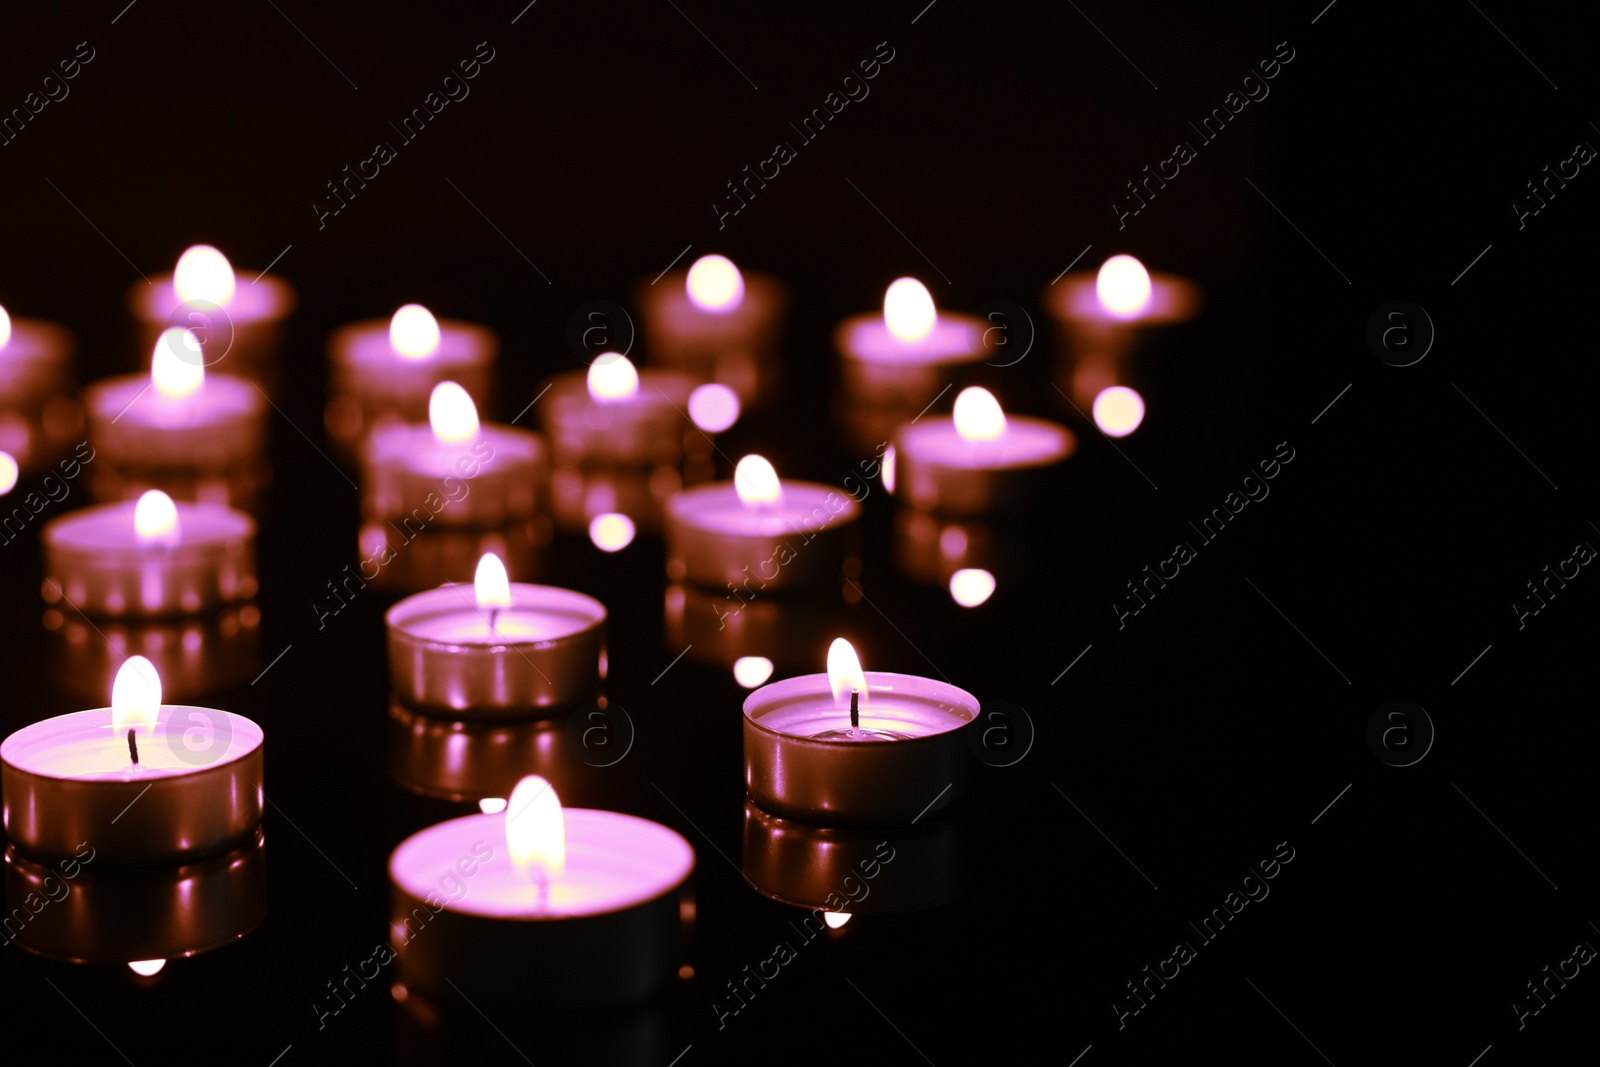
(68, 779)
(194, 654)
(452, 470)
(977, 459)
(561, 908)
(384, 371)
(497, 649)
(717, 324)
(615, 415)
(202, 285)
(149, 558)
(198, 436)
(750, 635)
(781, 535)
(850, 747)
(38, 417)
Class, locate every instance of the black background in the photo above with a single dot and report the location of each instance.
(1199, 736)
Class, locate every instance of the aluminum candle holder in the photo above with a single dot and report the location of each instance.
(716, 324)
(752, 635)
(616, 416)
(194, 654)
(39, 419)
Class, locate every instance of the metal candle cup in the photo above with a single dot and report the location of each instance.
(792, 773)
(644, 429)
(1094, 341)
(721, 629)
(796, 542)
(194, 654)
(38, 417)
(469, 759)
(544, 656)
(68, 779)
(606, 934)
(936, 469)
(95, 562)
(737, 347)
(411, 478)
(886, 381)
(250, 323)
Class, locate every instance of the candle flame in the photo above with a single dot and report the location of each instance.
(835, 919)
(203, 273)
(713, 407)
(971, 586)
(715, 284)
(977, 415)
(611, 531)
(1118, 411)
(908, 310)
(490, 586)
(492, 805)
(756, 482)
(452, 414)
(177, 375)
(155, 519)
(888, 469)
(612, 377)
(8, 472)
(844, 672)
(146, 968)
(751, 671)
(414, 332)
(135, 696)
(1123, 286)
(536, 833)
(5, 327)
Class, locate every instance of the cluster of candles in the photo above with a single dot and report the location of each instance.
(486, 668)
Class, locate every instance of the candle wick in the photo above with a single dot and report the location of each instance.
(494, 613)
(133, 747)
(855, 709)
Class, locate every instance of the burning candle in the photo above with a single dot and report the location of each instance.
(496, 648)
(560, 907)
(977, 459)
(757, 528)
(849, 747)
(615, 415)
(180, 782)
(717, 324)
(149, 558)
(384, 371)
(240, 322)
(38, 417)
(195, 435)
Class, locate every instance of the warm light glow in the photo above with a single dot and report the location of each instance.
(146, 968)
(612, 377)
(971, 586)
(888, 469)
(492, 805)
(908, 310)
(756, 482)
(1118, 411)
(452, 414)
(5, 327)
(715, 284)
(835, 919)
(713, 407)
(1123, 286)
(751, 671)
(844, 672)
(203, 273)
(135, 696)
(978, 416)
(174, 375)
(490, 585)
(611, 532)
(414, 332)
(536, 833)
(8, 472)
(155, 519)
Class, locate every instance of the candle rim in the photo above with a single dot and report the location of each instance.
(462, 342)
(679, 504)
(906, 446)
(270, 298)
(1173, 299)
(190, 543)
(851, 330)
(418, 608)
(802, 685)
(16, 739)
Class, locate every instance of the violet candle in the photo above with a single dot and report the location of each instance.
(38, 417)
(496, 649)
(716, 324)
(978, 459)
(179, 782)
(195, 435)
(782, 535)
(852, 747)
(383, 371)
(149, 558)
(561, 908)
(616, 416)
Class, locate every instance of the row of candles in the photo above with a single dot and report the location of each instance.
(846, 748)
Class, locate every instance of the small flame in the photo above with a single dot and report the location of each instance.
(452, 414)
(971, 586)
(492, 805)
(490, 585)
(713, 407)
(756, 482)
(135, 696)
(8, 472)
(177, 376)
(146, 968)
(5, 327)
(835, 919)
(155, 519)
(611, 531)
(751, 671)
(536, 833)
(908, 310)
(715, 284)
(1118, 411)
(1123, 286)
(414, 332)
(844, 672)
(203, 273)
(977, 415)
(612, 377)
(888, 469)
